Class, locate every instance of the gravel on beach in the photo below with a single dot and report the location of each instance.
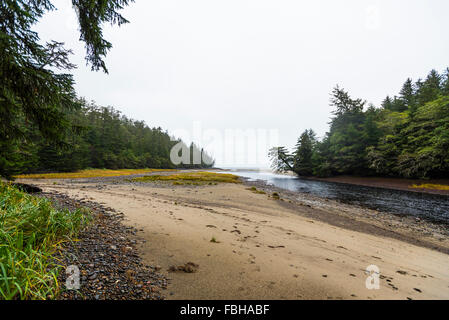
(106, 255)
(112, 269)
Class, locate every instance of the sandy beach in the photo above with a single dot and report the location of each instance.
(390, 183)
(264, 248)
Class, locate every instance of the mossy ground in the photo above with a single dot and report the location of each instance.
(90, 173)
(192, 178)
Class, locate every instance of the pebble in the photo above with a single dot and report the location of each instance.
(119, 274)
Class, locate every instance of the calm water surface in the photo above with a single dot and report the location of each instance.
(426, 206)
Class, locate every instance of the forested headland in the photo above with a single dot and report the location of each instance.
(97, 137)
(407, 136)
(44, 126)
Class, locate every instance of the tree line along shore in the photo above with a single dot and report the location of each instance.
(44, 125)
(407, 137)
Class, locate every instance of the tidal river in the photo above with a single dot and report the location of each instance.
(426, 206)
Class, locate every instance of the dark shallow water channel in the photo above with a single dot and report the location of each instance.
(427, 206)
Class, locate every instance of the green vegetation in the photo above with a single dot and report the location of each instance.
(31, 231)
(89, 173)
(255, 190)
(408, 136)
(213, 240)
(35, 98)
(103, 139)
(193, 178)
(275, 196)
(431, 186)
(44, 126)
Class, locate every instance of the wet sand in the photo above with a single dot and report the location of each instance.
(265, 248)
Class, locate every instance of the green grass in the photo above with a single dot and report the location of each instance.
(192, 178)
(31, 231)
(257, 191)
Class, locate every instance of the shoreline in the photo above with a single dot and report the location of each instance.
(405, 228)
(387, 183)
(106, 255)
(402, 184)
(300, 247)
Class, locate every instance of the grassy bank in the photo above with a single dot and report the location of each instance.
(31, 230)
(431, 186)
(195, 178)
(89, 173)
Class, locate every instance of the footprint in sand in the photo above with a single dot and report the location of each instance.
(393, 286)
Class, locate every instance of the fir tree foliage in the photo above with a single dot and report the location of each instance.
(36, 90)
(105, 139)
(408, 136)
(43, 125)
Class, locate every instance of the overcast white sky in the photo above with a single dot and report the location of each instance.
(255, 64)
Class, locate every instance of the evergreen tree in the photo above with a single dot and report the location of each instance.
(347, 151)
(32, 92)
(281, 159)
(371, 131)
(445, 83)
(407, 137)
(430, 89)
(104, 138)
(343, 103)
(407, 96)
(303, 156)
(387, 103)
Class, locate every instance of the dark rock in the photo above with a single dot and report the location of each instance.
(28, 188)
